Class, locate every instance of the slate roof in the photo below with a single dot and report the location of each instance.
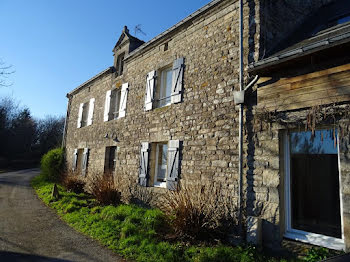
(327, 27)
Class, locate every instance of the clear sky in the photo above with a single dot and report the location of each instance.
(55, 45)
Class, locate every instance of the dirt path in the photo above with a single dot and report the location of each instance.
(30, 231)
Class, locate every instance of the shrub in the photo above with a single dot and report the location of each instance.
(102, 187)
(72, 183)
(317, 254)
(52, 164)
(200, 212)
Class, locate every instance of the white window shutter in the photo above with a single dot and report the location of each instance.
(150, 86)
(107, 106)
(144, 163)
(85, 161)
(75, 160)
(91, 111)
(123, 100)
(80, 115)
(173, 164)
(177, 80)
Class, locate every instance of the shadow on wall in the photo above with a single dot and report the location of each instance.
(18, 257)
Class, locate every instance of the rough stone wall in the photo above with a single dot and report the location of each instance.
(207, 119)
(344, 148)
(265, 171)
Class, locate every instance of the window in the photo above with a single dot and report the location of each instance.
(312, 188)
(84, 118)
(120, 64)
(159, 158)
(80, 160)
(110, 159)
(163, 88)
(159, 164)
(115, 103)
(86, 112)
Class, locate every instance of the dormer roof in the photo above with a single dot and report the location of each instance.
(126, 36)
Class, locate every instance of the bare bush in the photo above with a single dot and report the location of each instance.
(102, 187)
(200, 211)
(72, 183)
(133, 193)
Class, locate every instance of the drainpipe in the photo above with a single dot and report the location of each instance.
(66, 122)
(241, 108)
(239, 100)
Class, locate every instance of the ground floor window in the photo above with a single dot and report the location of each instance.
(160, 164)
(159, 161)
(313, 206)
(110, 159)
(81, 160)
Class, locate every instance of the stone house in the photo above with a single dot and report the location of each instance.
(165, 113)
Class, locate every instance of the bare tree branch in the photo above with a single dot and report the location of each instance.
(5, 71)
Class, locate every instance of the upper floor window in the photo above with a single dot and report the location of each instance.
(115, 103)
(165, 86)
(86, 112)
(120, 64)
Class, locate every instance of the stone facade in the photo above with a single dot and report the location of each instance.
(206, 120)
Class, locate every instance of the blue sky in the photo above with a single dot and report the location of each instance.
(55, 45)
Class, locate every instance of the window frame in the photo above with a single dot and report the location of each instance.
(156, 183)
(116, 92)
(120, 64)
(107, 164)
(300, 235)
(85, 112)
(161, 87)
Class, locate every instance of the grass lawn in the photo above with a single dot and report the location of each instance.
(132, 231)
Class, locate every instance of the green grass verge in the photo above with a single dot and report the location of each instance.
(132, 231)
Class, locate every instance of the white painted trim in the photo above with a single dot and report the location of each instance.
(316, 239)
(156, 183)
(299, 235)
(340, 190)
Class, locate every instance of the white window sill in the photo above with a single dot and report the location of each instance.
(168, 104)
(160, 184)
(315, 239)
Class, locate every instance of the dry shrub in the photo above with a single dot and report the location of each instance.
(72, 183)
(133, 193)
(201, 211)
(102, 187)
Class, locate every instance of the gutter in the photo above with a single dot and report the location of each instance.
(301, 51)
(74, 91)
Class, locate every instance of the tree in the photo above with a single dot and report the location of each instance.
(5, 71)
(24, 139)
(49, 133)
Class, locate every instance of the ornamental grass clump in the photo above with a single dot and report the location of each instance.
(73, 183)
(200, 211)
(102, 187)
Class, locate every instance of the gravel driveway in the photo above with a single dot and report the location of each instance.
(30, 231)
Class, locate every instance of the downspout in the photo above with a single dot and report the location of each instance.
(241, 112)
(239, 100)
(66, 122)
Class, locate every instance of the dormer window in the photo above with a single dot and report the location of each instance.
(120, 64)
